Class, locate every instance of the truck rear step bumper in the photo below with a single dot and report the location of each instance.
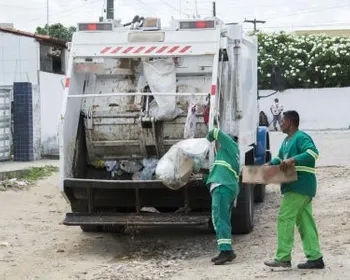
(147, 219)
(119, 184)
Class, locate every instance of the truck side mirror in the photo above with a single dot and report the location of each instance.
(277, 82)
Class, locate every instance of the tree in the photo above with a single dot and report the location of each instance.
(304, 61)
(57, 30)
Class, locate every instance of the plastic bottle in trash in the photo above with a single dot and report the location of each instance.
(130, 166)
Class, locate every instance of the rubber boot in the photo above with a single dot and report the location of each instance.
(225, 256)
(276, 263)
(317, 264)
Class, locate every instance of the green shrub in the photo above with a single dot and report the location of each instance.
(306, 61)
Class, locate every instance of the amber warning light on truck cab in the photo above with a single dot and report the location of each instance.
(95, 27)
(197, 24)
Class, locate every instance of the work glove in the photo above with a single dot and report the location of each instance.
(210, 135)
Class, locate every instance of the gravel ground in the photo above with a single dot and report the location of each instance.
(35, 245)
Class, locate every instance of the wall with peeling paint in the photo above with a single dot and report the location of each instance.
(51, 93)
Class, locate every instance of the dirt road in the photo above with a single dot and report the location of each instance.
(34, 244)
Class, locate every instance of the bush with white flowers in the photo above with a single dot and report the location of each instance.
(306, 61)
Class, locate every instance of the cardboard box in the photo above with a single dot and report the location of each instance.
(267, 175)
(185, 169)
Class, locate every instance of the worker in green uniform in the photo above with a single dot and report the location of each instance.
(299, 150)
(223, 185)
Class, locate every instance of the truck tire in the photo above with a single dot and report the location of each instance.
(260, 190)
(259, 193)
(79, 206)
(242, 219)
(211, 226)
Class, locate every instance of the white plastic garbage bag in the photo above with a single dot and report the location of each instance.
(191, 121)
(161, 77)
(175, 167)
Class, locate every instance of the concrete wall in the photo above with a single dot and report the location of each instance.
(20, 62)
(318, 108)
(19, 59)
(36, 122)
(329, 32)
(51, 93)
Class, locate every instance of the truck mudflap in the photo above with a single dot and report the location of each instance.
(133, 219)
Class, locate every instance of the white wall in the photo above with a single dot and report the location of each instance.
(19, 59)
(36, 121)
(51, 93)
(20, 62)
(318, 108)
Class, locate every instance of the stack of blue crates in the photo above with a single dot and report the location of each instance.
(23, 122)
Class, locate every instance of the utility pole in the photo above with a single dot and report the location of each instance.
(196, 8)
(180, 8)
(255, 21)
(47, 12)
(214, 9)
(110, 10)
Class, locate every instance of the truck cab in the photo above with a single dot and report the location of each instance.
(114, 114)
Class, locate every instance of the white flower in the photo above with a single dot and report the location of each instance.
(308, 80)
(327, 66)
(268, 75)
(334, 74)
(316, 82)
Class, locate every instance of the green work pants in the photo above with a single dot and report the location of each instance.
(296, 209)
(222, 203)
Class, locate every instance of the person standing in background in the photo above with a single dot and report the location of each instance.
(276, 111)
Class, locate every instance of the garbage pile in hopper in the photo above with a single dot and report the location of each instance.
(185, 157)
(173, 169)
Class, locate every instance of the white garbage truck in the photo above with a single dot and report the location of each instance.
(127, 92)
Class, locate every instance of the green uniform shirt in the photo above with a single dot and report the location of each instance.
(225, 169)
(302, 148)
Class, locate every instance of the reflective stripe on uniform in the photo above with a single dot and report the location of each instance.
(312, 153)
(227, 165)
(224, 241)
(305, 169)
(216, 133)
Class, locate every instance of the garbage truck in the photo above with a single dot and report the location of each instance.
(127, 92)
